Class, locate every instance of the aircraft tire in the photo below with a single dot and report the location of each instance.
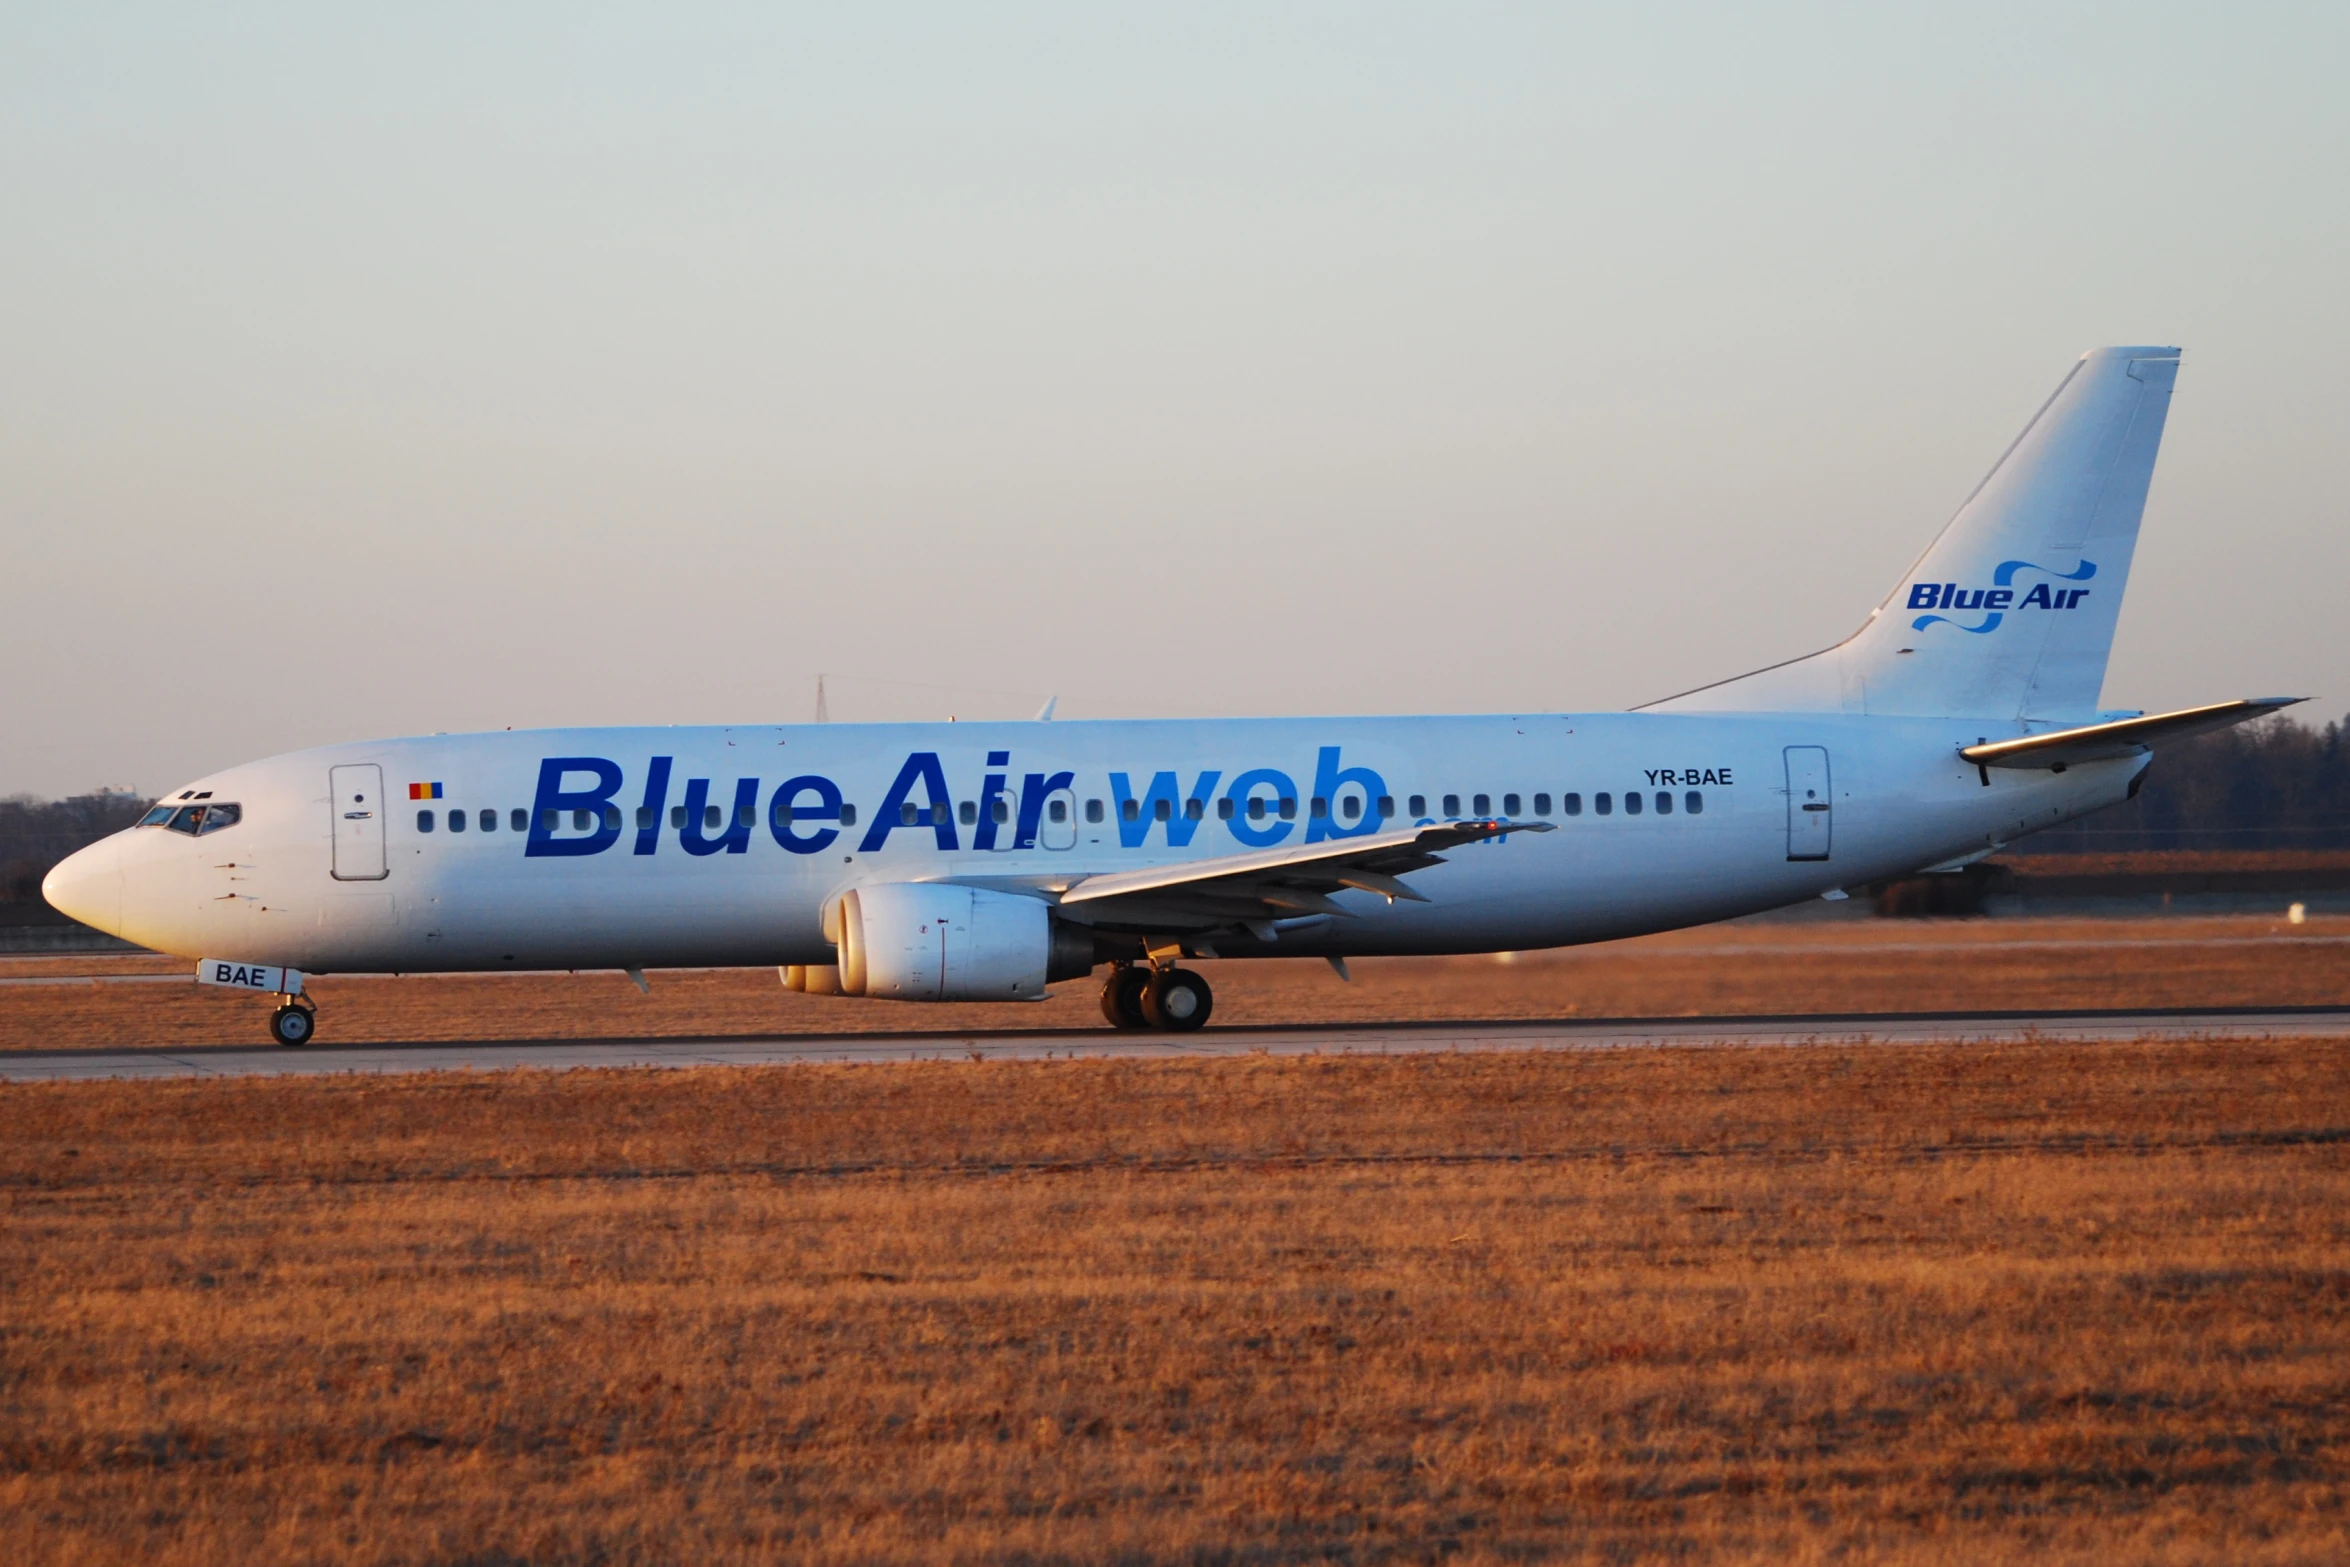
(1178, 1001)
(1122, 997)
(292, 1026)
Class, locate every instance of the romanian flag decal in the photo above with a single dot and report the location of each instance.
(424, 791)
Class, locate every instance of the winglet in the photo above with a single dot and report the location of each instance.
(1044, 714)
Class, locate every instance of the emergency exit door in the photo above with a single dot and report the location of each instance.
(1811, 813)
(356, 808)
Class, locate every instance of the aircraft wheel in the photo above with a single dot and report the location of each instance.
(1122, 997)
(292, 1025)
(1178, 1001)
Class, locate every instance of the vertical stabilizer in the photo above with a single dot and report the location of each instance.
(2011, 612)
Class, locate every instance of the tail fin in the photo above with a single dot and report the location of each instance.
(2010, 613)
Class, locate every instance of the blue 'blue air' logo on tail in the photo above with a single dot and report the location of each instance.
(1999, 598)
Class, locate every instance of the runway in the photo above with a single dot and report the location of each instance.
(36, 1066)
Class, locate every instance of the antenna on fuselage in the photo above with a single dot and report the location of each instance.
(822, 716)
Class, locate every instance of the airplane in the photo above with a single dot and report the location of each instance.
(988, 861)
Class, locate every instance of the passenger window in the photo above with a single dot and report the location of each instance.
(1419, 804)
(1664, 802)
(579, 821)
(1130, 809)
(1058, 810)
(1000, 808)
(1631, 802)
(1693, 802)
(1193, 809)
(1093, 810)
(1317, 807)
(1452, 805)
(905, 814)
(1288, 809)
(848, 815)
(1510, 805)
(424, 821)
(1163, 810)
(1386, 806)
(970, 813)
(1484, 804)
(456, 821)
(677, 816)
(1350, 806)
(644, 817)
(1571, 804)
(938, 813)
(1256, 810)
(745, 816)
(1223, 810)
(489, 820)
(1602, 803)
(1542, 805)
(611, 814)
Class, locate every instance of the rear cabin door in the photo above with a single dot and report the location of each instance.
(1811, 811)
(358, 812)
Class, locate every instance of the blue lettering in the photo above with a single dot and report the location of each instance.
(784, 810)
(921, 767)
(648, 833)
(737, 837)
(1328, 780)
(2038, 598)
(552, 796)
(1925, 595)
(1268, 830)
(1032, 792)
(1999, 598)
(991, 789)
(1180, 823)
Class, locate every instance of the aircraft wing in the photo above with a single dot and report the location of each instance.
(1253, 890)
(2123, 737)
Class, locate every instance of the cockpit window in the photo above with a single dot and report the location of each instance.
(158, 816)
(197, 820)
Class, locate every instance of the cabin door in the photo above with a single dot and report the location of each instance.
(1811, 810)
(357, 810)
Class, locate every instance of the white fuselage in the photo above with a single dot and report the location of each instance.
(613, 868)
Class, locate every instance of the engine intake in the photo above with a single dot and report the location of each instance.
(935, 941)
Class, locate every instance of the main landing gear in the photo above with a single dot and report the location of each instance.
(1173, 1000)
(293, 1023)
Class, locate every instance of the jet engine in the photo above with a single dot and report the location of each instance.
(935, 941)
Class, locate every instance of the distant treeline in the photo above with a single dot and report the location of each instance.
(36, 834)
(2274, 784)
(2270, 785)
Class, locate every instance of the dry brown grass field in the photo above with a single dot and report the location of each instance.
(1869, 1303)
(1841, 966)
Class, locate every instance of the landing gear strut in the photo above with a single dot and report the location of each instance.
(292, 1023)
(1172, 1000)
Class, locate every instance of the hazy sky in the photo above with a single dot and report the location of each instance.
(379, 370)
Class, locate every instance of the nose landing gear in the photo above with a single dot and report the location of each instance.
(1172, 1000)
(293, 1023)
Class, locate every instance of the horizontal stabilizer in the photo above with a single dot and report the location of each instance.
(2121, 738)
(1271, 884)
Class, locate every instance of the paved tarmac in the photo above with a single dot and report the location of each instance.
(30, 1066)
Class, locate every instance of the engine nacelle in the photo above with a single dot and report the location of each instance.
(935, 941)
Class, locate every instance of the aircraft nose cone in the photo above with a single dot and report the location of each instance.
(87, 885)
